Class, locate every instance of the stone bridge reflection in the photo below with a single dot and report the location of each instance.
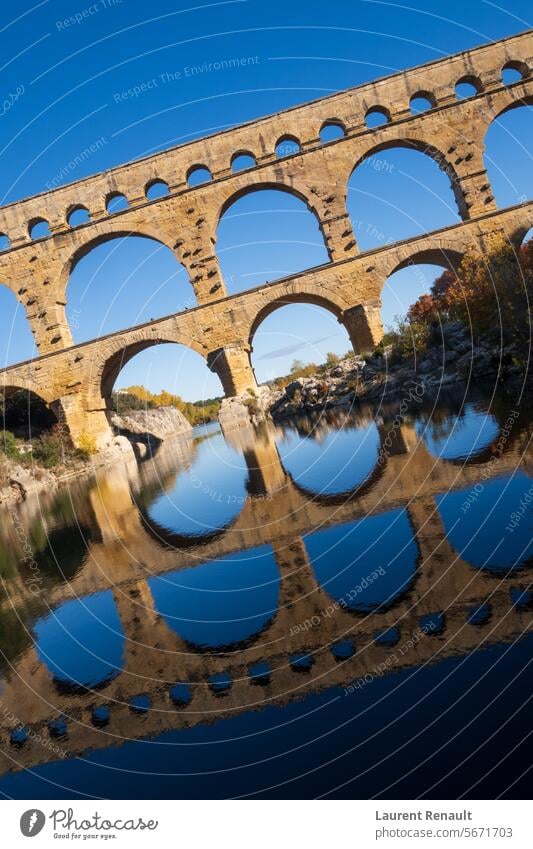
(311, 641)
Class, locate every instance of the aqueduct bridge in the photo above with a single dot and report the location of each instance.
(76, 380)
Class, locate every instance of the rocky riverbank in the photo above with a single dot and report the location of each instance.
(147, 429)
(136, 434)
(380, 375)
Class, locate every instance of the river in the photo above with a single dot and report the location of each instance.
(337, 606)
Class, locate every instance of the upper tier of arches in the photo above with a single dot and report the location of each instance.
(325, 126)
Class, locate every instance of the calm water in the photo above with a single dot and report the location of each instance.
(339, 606)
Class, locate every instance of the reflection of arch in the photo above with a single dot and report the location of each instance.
(370, 580)
(173, 540)
(68, 638)
(358, 491)
(469, 425)
(223, 604)
(478, 522)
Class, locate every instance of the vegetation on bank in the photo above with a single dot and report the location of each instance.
(140, 398)
(32, 437)
(490, 294)
(299, 369)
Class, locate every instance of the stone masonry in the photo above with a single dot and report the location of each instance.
(77, 380)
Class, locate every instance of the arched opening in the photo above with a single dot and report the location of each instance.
(116, 202)
(168, 372)
(514, 72)
(422, 101)
(4, 242)
(221, 604)
(124, 281)
(203, 499)
(81, 642)
(333, 461)
(486, 523)
(460, 437)
(78, 215)
(414, 284)
(294, 338)
(38, 228)
(376, 116)
(242, 160)
(266, 234)
(156, 189)
(63, 551)
(31, 433)
(368, 564)
(287, 146)
(17, 342)
(467, 86)
(399, 191)
(331, 131)
(197, 175)
(508, 156)
(25, 414)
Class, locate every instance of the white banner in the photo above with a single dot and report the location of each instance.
(268, 824)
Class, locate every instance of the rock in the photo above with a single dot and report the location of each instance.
(292, 388)
(233, 413)
(27, 480)
(160, 423)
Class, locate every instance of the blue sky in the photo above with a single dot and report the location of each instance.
(71, 77)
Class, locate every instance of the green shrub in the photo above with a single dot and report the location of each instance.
(9, 446)
(47, 450)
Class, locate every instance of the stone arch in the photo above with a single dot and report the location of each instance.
(280, 248)
(517, 234)
(417, 282)
(120, 352)
(446, 256)
(84, 246)
(415, 143)
(304, 294)
(248, 188)
(242, 160)
(422, 96)
(517, 65)
(510, 149)
(26, 411)
(15, 326)
(8, 388)
(109, 233)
